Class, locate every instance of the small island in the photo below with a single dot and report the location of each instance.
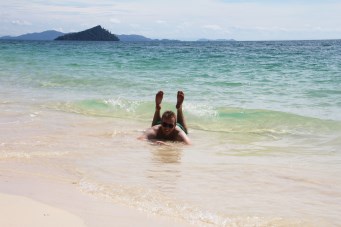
(93, 34)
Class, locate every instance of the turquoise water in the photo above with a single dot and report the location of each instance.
(265, 119)
(283, 87)
(300, 77)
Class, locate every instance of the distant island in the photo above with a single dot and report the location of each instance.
(52, 35)
(93, 34)
(46, 35)
(96, 33)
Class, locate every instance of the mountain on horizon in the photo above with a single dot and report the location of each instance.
(92, 34)
(46, 35)
(52, 35)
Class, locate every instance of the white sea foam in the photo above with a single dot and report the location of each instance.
(200, 110)
(29, 155)
(121, 104)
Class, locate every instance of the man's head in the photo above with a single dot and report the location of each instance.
(168, 122)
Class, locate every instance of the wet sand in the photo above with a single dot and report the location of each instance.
(29, 198)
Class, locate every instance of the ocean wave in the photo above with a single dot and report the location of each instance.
(208, 118)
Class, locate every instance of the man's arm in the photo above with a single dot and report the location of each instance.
(184, 138)
(148, 134)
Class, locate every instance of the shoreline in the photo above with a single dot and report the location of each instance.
(28, 198)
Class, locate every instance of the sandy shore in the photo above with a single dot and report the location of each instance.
(22, 211)
(29, 198)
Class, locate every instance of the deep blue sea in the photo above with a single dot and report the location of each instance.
(265, 119)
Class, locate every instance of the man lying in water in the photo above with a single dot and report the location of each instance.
(168, 127)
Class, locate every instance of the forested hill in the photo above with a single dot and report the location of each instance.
(93, 34)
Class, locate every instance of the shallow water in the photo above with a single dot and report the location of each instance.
(264, 118)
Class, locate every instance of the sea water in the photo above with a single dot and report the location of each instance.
(264, 118)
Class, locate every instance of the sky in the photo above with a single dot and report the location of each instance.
(178, 19)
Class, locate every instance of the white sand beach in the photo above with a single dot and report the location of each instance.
(23, 211)
(28, 198)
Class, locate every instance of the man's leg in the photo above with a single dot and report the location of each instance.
(157, 115)
(181, 118)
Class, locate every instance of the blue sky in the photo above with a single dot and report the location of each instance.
(178, 19)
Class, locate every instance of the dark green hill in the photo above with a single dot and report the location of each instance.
(93, 34)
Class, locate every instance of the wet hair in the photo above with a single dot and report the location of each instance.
(168, 114)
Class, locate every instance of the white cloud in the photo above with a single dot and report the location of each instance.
(160, 22)
(135, 25)
(115, 21)
(212, 27)
(21, 22)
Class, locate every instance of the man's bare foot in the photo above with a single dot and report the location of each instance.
(158, 100)
(180, 99)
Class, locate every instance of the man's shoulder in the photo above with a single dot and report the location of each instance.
(179, 129)
(156, 127)
(153, 130)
